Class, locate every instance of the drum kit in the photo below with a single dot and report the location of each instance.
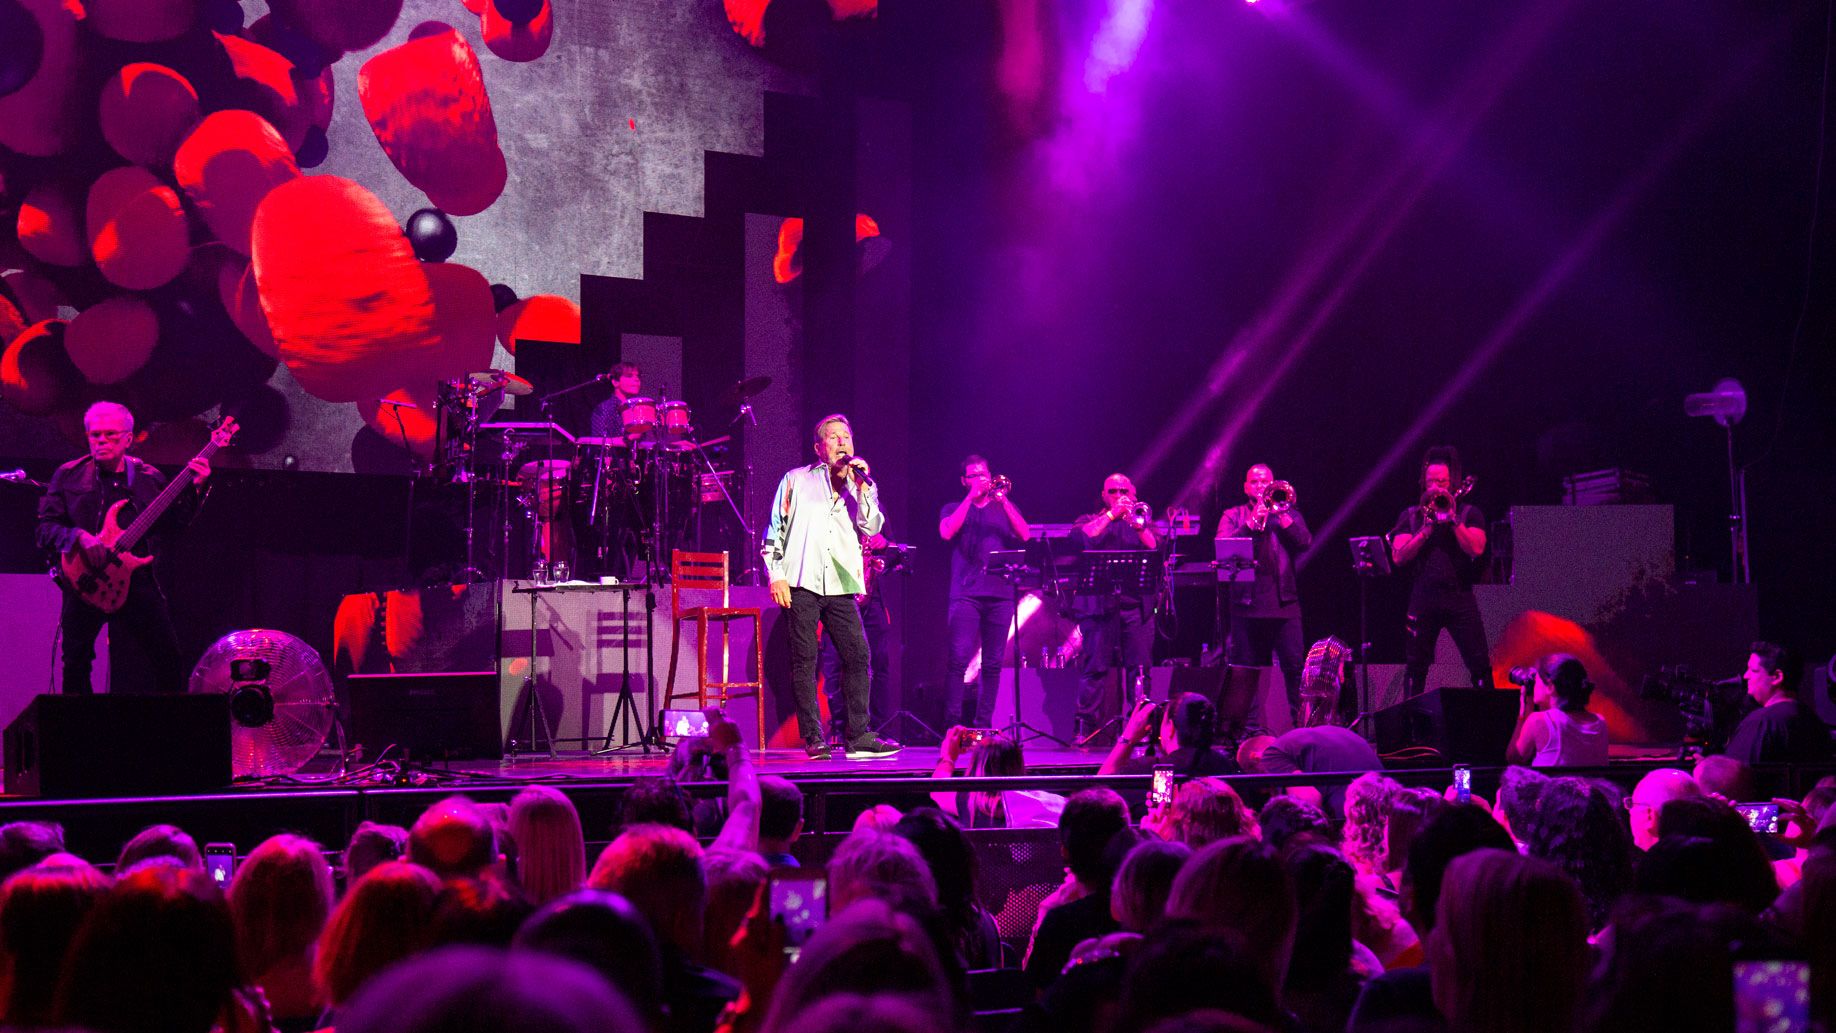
(545, 504)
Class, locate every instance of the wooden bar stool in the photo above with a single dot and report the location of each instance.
(707, 571)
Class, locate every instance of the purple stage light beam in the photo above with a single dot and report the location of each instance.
(1604, 222)
(1431, 148)
(1434, 148)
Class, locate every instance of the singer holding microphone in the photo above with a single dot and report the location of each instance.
(812, 552)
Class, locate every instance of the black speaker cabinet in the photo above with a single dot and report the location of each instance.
(1467, 726)
(450, 716)
(119, 745)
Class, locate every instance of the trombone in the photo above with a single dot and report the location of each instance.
(1273, 500)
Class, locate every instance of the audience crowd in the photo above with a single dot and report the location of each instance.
(1557, 904)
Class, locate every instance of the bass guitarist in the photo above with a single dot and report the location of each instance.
(72, 532)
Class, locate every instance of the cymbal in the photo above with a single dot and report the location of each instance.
(508, 383)
(745, 389)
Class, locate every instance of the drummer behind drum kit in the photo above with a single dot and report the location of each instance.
(551, 506)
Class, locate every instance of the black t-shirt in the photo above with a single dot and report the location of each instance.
(985, 529)
(1781, 733)
(1440, 566)
(1062, 929)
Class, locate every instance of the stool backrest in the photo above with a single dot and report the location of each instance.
(696, 572)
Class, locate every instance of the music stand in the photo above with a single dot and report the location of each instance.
(1011, 565)
(1116, 573)
(1370, 559)
(1235, 560)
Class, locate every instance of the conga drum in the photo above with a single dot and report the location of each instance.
(677, 420)
(639, 416)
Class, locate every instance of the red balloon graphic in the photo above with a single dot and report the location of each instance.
(137, 230)
(427, 104)
(109, 341)
(140, 21)
(51, 227)
(227, 165)
(146, 110)
(35, 374)
(544, 317)
(513, 41)
(351, 309)
(340, 25)
(39, 119)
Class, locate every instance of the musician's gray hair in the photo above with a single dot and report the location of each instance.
(109, 407)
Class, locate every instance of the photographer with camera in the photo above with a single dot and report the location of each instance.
(1782, 730)
(1554, 727)
(1188, 729)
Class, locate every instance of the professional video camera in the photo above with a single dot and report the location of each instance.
(1710, 707)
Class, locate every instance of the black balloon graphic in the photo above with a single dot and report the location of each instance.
(22, 47)
(503, 296)
(432, 235)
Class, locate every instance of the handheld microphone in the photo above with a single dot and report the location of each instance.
(859, 471)
(13, 475)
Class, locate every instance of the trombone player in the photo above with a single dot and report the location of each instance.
(1265, 613)
(1115, 629)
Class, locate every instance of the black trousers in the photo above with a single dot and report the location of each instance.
(979, 622)
(1254, 639)
(837, 615)
(876, 622)
(142, 616)
(1458, 612)
(1122, 637)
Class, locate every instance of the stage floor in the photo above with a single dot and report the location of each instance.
(913, 761)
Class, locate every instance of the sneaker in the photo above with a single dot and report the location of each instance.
(873, 747)
(817, 750)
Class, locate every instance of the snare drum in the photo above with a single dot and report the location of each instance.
(677, 420)
(639, 416)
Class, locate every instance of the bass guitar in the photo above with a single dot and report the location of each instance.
(105, 585)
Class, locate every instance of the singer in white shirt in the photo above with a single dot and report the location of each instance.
(812, 552)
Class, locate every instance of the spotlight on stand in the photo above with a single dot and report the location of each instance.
(1727, 405)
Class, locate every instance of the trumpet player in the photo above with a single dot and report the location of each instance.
(1265, 613)
(981, 610)
(1117, 630)
(1437, 542)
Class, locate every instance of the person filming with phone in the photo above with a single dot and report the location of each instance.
(1554, 727)
(992, 754)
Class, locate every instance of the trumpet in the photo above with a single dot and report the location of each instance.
(1277, 497)
(999, 487)
(1437, 502)
(1138, 514)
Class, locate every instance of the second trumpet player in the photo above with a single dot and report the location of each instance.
(1117, 631)
(1265, 613)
